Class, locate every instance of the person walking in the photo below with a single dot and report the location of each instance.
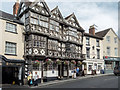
(30, 80)
(77, 71)
(83, 73)
(36, 79)
(74, 75)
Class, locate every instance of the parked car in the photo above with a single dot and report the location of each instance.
(116, 70)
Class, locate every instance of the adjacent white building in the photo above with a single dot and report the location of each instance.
(11, 48)
(93, 48)
(111, 49)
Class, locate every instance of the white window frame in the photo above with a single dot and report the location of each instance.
(10, 27)
(10, 48)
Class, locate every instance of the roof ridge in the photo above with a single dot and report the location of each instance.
(103, 30)
(7, 13)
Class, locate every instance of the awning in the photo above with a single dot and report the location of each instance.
(11, 60)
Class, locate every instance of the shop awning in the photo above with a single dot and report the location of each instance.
(10, 60)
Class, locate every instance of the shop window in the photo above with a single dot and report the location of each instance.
(89, 67)
(65, 67)
(95, 66)
(108, 65)
(99, 67)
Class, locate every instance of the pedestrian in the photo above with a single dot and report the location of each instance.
(36, 79)
(74, 75)
(77, 71)
(30, 80)
(83, 73)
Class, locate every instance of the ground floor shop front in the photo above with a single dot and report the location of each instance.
(50, 69)
(95, 65)
(12, 70)
(110, 63)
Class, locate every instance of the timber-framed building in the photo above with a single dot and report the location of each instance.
(49, 36)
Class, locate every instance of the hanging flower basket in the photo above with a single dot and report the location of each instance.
(66, 62)
(36, 63)
(58, 62)
(79, 63)
(73, 62)
(48, 61)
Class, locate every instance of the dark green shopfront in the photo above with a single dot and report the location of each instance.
(110, 63)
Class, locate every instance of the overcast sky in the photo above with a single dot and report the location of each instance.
(98, 12)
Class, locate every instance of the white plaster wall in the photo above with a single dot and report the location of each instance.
(11, 37)
(93, 43)
(110, 44)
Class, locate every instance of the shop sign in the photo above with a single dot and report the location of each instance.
(112, 58)
(11, 64)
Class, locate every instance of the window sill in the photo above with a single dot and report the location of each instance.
(11, 54)
(11, 32)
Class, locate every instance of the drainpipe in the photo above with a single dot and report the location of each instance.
(41, 71)
(68, 71)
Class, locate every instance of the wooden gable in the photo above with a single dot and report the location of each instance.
(21, 8)
(72, 20)
(56, 14)
(40, 6)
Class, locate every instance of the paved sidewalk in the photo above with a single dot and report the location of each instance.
(70, 79)
(53, 82)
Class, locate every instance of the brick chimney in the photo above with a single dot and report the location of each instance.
(15, 8)
(92, 30)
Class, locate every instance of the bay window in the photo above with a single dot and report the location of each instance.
(54, 25)
(33, 21)
(43, 24)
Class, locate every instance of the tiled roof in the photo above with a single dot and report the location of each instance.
(102, 33)
(10, 17)
(93, 36)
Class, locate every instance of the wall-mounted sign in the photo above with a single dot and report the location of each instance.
(111, 58)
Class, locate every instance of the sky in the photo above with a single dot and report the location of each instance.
(98, 12)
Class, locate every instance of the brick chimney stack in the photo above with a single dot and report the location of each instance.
(92, 30)
(15, 8)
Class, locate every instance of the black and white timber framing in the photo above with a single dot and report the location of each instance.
(49, 35)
